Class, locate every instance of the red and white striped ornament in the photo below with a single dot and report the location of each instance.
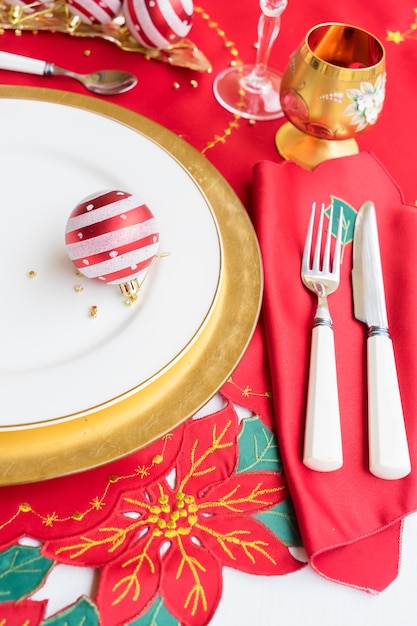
(95, 11)
(158, 23)
(112, 237)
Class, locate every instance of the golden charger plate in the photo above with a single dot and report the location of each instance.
(78, 392)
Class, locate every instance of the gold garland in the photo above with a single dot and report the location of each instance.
(57, 18)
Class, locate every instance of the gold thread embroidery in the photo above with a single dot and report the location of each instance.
(247, 391)
(174, 516)
(235, 60)
(233, 125)
(396, 36)
(98, 502)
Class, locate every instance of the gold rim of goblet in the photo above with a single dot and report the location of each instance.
(336, 71)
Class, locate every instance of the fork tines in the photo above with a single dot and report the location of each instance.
(315, 265)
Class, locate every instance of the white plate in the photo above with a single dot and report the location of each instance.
(51, 347)
(59, 365)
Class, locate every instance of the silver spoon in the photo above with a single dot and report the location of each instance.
(103, 82)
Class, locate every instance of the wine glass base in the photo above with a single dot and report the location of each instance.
(309, 151)
(234, 92)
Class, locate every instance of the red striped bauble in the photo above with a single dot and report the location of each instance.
(95, 11)
(158, 23)
(112, 236)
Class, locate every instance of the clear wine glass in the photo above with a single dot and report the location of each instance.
(252, 91)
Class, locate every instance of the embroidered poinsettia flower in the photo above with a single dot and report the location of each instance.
(70, 504)
(367, 102)
(172, 537)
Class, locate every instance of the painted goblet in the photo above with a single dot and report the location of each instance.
(332, 90)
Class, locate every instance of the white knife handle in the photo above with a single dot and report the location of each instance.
(17, 63)
(389, 457)
(322, 438)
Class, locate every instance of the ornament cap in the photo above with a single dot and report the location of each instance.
(130, 289)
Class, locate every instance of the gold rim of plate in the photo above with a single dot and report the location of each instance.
(104, 435)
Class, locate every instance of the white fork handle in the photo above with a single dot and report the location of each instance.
(388, 450)
(323, 439)
(17, 63)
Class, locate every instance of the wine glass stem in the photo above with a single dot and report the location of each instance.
(268, 29)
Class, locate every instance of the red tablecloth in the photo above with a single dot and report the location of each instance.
(82, 519)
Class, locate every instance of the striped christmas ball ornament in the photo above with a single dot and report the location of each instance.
(112, 236)
(95, 11)
(158, 23)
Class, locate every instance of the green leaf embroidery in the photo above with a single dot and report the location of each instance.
(157, 615)
(283, 523)
(258, 448)
(22, 570)
(349, 217)
(82, 613)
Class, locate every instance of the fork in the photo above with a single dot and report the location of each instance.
(322, 437)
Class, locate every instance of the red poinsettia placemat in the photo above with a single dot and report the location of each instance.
(159, 525)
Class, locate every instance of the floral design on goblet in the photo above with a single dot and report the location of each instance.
(367, 102)
(332, 90)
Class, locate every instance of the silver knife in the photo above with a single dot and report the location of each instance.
(389, 456)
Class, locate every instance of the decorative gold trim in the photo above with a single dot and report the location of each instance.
(104, 435)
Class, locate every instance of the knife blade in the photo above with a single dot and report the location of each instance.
(389, 456)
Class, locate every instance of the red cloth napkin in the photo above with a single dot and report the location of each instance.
(350, 521)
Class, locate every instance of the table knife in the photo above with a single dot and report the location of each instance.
(388, 449)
